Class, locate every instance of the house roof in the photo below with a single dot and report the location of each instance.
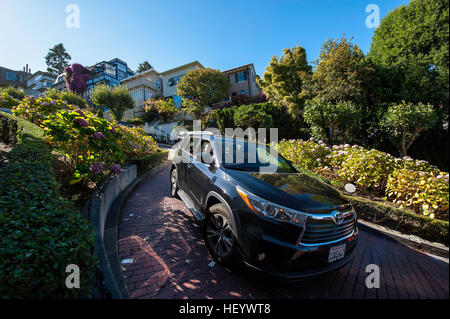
(138, 75)
(239, 68)
(194, 63)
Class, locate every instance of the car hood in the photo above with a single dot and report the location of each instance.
(293, 190)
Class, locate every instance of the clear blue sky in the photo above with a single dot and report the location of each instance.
(219, 34)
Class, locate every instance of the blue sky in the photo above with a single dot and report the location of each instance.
(219, 34)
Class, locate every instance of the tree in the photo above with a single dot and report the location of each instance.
(200, 88)
(164, 107)
(118, 99)
(331, 121)
(144, 66)
(284, 79)
(405, 121)
(411, 51)
(57, 59)
(248, 116)
(342, 74)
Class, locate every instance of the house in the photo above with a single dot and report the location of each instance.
(243, 81)
(14, 78)
(109, 73)
(172, 76)
(142, 86)
(151, 83)
(105, 72)
(40, 81)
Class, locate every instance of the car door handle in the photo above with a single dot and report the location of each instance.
(189, 165)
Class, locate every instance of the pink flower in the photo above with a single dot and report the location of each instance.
(116, 168)
(81, 121)
(98, 135)
(96, 167)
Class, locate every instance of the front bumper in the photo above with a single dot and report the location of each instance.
(284, 259)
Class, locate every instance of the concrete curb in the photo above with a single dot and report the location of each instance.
(411, 241)
(119, 290)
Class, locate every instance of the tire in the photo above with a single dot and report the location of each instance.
(219, 238)
(174, 183)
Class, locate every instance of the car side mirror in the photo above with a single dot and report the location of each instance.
(204, 158)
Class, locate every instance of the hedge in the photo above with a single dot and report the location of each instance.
(147, 162)
(402, 220)
(40, 233)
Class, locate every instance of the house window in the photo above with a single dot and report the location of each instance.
(241, 76)
(173, 81)
(243, 92)
(157, 83)
(11, 76)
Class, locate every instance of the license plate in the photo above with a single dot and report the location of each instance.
(336, 253)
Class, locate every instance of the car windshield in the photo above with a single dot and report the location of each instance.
(242, 155)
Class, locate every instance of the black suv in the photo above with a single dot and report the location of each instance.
(283, 223)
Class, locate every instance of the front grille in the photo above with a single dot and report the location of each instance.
(321, 231)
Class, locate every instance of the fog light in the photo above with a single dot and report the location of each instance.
(261, 257)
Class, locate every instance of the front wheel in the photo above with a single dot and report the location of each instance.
(219, 237)
(173, 183)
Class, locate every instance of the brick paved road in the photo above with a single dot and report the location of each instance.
(171, 260)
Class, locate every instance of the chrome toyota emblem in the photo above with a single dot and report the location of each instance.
(338, 217)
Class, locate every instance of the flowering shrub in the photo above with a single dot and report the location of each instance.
(368, 169)
(134, 142)
(424, 192)
(7, 101)
(407, 182)
(36, 110)
(89, 143)
(307, 154)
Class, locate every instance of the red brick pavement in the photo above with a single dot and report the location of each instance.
(170, 260)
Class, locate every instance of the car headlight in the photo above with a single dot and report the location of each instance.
(268, 209)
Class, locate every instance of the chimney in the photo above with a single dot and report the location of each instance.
(29, 71)
(23, 69)
(27, 68)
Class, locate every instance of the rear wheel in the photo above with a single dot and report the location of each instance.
(174, 183)
(219, 236)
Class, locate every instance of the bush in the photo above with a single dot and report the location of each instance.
(7, 101)
(37, 110)
(426, 193)
(68, 97)
(147, 162)
(307, 154)
(339, 118)
(13, 129)
(225, 118)
(251, 116)
(367, 169)
(40, 233)
(14, 93)
(134, 142)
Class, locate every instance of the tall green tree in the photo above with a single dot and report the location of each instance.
(411, 51)
(144, 66)
(57, 59)
(284, 79)
(118, 99)
(342, 73)
(201, 88)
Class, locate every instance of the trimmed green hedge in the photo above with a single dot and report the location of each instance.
(12, 129)
(401, 220)
(40, 233)
(147, 162)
